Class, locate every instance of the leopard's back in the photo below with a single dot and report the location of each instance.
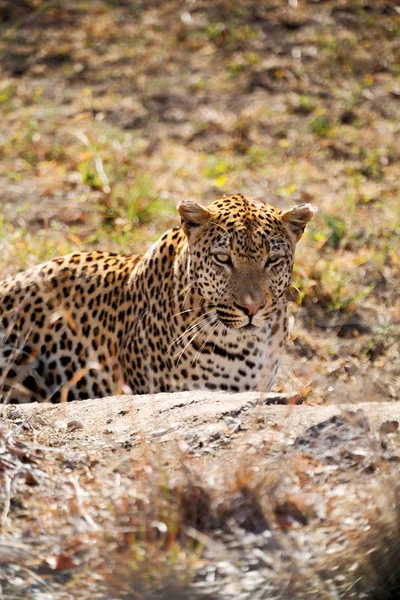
(60, 325)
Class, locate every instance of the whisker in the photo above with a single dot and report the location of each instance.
(185, 290)
(191, 310)
(193, 323)
(219, 324)
(204, 343)
(186, 295)
(219, 332)
(227, 235)
(202, 325)
(198, 326)
(190, 328)
(182, 312)
(179, 355)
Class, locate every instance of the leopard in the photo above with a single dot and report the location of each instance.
(205, 308)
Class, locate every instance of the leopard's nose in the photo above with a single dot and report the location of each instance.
(251, 309)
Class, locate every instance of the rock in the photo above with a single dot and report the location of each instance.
(389, 427)
(74, 424)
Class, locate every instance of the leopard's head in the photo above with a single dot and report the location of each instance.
(241, 256)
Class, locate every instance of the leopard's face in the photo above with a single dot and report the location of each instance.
(242, 276)
(241, 257)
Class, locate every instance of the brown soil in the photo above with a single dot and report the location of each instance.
(279, 499)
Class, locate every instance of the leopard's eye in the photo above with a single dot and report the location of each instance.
(273, 261)
(222, 259)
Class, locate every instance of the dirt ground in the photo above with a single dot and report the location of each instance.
(262, 500)
(111, 113)
(184, 418)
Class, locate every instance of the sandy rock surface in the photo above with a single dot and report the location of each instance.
(188, 416)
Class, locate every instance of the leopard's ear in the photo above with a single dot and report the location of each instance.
(192, 214)
(295, 219)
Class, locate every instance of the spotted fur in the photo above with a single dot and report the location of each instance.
(204, 308)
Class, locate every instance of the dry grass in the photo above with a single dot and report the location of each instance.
(319, 518)
(111, 113)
